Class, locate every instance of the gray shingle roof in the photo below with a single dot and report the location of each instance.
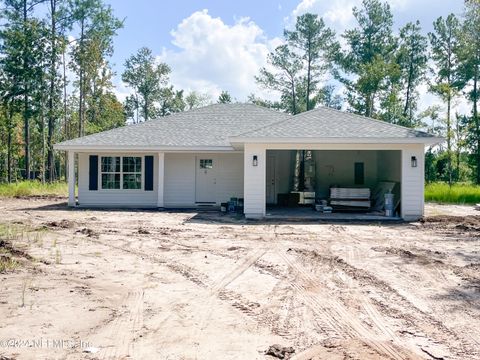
(215, 125)
(209, 126)
(330, 123)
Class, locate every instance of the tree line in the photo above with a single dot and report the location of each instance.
(382, 72)
(56, 80)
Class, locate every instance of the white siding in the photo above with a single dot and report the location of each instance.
(413, 182)
(179, 180)
(254, 183)
(180, 177)
(114, 198)
(229, 177)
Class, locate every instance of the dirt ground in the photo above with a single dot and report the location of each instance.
(101, 284)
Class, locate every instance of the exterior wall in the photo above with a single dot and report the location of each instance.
(336, 167)
(179, 183)
(229, 177)
(180, 176)
(110, 197)
(254, 181)
(390, 165)
(413, 183)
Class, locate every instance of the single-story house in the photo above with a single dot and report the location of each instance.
(208, 155)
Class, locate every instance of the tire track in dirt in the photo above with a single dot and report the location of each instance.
(415, 318)
(351, 255)
(124, 327)
(263, 317)
(337, 317)
(216, 289)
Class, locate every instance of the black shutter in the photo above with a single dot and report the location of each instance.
(93, 173)
(148, 173)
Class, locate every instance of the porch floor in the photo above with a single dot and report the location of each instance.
(307, 213)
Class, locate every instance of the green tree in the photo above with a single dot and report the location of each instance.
(315, 42)
(110, 114)
(147, 80)
(59, 21)
(445, 43)
(22, 40)
(412, 58)
(194, 100)
(364, 67)
(469, 73)
(94, 44)
(284, 77)
(171, 101)
(224, 97)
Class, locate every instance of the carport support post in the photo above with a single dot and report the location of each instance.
(161, 179)
(71, 178)
(254, 185)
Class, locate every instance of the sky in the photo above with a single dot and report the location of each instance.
(220, 45)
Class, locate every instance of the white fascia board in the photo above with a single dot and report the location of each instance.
(145, 149)
(237, 141)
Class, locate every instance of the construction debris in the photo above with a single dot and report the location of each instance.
(280, 352)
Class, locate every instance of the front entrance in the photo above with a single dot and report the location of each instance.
(205, 180)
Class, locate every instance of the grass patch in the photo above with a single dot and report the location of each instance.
(33, 188)
(7, 263)
(456, 194)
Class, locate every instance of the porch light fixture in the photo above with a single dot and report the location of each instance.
(255, 160)
(414, 161)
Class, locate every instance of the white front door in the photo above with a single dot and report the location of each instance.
(271, 193)
(205, 179)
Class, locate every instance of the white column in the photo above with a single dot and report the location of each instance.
(71, 178)
(161, 179)
(412, 186)
(254, 185)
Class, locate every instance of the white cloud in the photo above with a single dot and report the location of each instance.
(337, 13)
(212, 56)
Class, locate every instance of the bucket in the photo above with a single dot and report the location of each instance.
(389, 205)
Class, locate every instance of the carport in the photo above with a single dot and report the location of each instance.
(296, 180)
(346, 151)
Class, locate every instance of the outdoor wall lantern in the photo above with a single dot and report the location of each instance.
(414, 161)
(255, 160)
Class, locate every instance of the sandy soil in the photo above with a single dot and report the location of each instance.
(164, 285)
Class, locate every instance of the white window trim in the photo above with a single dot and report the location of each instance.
(121, 156)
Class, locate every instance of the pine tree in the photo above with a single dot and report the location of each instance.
(469, 76)
(315, 42)
(364, 67)
(412, 58)
(445, 44)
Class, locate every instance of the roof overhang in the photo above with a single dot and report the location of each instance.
(237, 142)
(141, 149)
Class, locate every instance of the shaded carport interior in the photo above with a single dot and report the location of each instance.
(332, 168)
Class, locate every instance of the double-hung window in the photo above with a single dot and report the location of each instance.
(121, 172)
(132, 172)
